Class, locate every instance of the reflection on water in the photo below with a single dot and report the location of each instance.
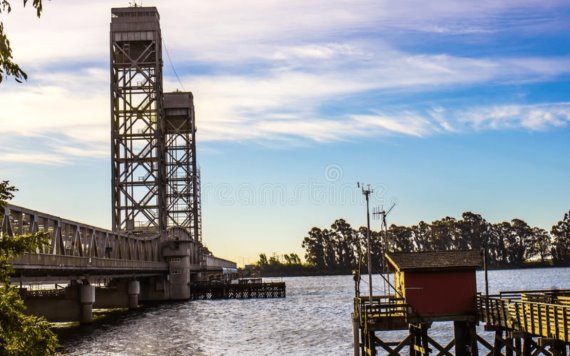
(314, 319)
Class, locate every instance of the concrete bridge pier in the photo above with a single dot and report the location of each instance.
(177, 253)
(74, 303)
(119, 293)
(133, 290)
(153, 289)
(87, 299)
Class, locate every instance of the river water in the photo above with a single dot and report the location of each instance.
(314, 319)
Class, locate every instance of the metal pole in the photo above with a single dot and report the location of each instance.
(485, 261)
(367, 193)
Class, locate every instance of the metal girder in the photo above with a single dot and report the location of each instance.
(79, 248)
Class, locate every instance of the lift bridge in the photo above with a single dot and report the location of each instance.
(154, 250)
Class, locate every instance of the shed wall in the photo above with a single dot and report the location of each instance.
(441, 293)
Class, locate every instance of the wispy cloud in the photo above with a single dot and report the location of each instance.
(35, 158)
(531, 117)
(270, 70)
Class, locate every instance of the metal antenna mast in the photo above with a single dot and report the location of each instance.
(381, 214)
(366, 191)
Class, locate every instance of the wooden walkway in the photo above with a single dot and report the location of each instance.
(544, 314)
(237, 291)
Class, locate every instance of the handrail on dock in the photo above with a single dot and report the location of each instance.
(520, 294)
(386, 312)
(545, 315)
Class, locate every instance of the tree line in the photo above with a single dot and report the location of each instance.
(341, 248)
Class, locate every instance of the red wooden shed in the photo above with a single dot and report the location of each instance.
(438, 285)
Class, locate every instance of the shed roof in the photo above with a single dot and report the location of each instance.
(436, 260)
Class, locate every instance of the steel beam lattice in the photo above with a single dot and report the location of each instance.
(182, 181)
(137, 131)
(156, 185)
(77, 247)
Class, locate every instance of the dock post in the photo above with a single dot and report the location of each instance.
(419, 344)
(527, 345)
(370, 349)
(424, 338)
(518, 344)
(499, 343)
(509, 343)
(355, 335)
(465, 338)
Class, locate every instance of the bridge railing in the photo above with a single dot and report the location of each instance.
(71, 239)
(385, 312)
(46, 261)
(213, 261)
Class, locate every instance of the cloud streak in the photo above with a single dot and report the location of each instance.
(268, 77)
(530, 117)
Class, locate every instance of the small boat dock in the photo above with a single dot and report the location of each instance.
(243, 288)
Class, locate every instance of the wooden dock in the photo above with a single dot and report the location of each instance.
(525, 323)
(440, 286)
(202, 291)
(528, 322)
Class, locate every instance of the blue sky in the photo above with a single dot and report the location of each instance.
(443, 107)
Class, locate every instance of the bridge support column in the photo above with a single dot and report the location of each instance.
(177, 253)
(134, 289)
(86, 298)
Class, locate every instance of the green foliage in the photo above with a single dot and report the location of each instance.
(513, 243)
(6, 193)
(290, 266)
(20, 334)
(561, 244)
(8, 68)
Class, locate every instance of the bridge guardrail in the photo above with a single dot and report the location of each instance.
(34, 261)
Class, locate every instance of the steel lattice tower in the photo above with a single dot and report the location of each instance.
(156, 184)
(182, 177)
(137, 131)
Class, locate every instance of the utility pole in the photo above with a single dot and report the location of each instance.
(366, 191)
